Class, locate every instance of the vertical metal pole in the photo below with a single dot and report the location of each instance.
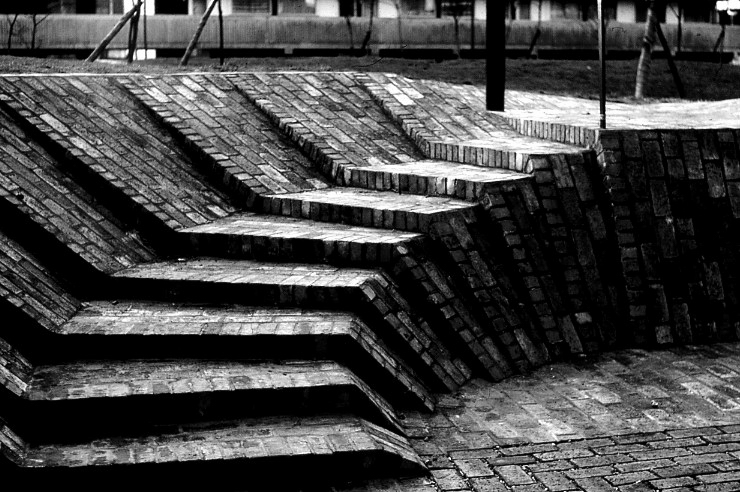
(495, 54)
(602, 63)
(220, 34)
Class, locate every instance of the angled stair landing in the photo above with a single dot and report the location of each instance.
(80, 401)
(313, 449)
(153, 330)
(368, 292)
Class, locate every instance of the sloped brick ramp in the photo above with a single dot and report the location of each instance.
(241, 274)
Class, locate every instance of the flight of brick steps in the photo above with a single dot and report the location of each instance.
(228, 272)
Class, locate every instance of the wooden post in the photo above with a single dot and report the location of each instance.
(495, 55)
(602, 64)
(198, 32)
(112, 34)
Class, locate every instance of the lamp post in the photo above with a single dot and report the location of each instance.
(602, 66)
(495, 54)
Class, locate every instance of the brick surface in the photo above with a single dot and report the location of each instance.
(254, 333)
(211, 116)
(27, 286)
(89, 123)
(305, 285)
(506, 242)
(33, 186)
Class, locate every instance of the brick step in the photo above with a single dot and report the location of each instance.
(262, 237)
(430, 178)
(314, 449)
(277, 238)
(43, 205)
(453, 125)
(100, 133)
(370, 293)
(154, 331)
(87, 400)
(368, 208)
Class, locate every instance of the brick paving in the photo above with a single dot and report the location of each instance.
(452, 244)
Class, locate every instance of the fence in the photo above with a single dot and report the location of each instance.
(84, 32)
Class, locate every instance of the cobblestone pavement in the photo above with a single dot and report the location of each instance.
(630, 421)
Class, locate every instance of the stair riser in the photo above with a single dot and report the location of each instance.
(263, 248)
(264, 473)
(79, 420)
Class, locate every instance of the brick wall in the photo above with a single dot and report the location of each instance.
(674, 199)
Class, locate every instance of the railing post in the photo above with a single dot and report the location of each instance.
(495, 54)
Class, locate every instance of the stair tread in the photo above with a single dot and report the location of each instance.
(274, 437)
(104, 318)
(451, 171)
(275, 226)
(381, 200)
(110, 379)
(213, 270)
(151, 319)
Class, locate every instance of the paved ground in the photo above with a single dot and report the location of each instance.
(631, 420)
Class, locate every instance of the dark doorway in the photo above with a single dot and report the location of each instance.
(171, 7)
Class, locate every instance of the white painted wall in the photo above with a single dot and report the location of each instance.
(327, 8)
(626, 11)
(387, 8)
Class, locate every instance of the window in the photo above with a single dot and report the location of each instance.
(525, 10)
(86, 7)
(251, 6)
(171, 7)
(696, 13)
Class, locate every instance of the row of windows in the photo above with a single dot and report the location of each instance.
(518, 9)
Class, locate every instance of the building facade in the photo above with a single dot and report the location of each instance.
(544, 10)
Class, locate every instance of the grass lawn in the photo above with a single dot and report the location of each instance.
(703, 81)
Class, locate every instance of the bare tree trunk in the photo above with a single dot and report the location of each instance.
(472, 26)
(643, 66)
(397, 3)
(369, 33)
(133, 34)
(537, 32)
(351, 33)
(11, 28)
(458, 47)
(112, 34)
(198, 32)
(36, 22)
